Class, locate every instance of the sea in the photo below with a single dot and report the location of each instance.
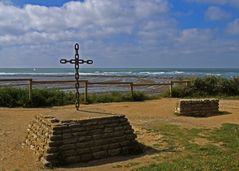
(136, 75)
(150, 72)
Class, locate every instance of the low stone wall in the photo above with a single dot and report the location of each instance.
(74, 141)
(197, 107)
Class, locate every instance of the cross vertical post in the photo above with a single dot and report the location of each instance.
(77, 61)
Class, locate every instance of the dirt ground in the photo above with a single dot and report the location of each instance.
(14, 122)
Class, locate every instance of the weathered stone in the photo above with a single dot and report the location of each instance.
(75, 141)
(99, 148)
(106, 130)
(97, 136)
(114, 152)
(118, 128)
(114, 145)
(72, 159)
(84, 138)
(66, 135)
(101, 142)
(197, 107)
(66, 130)
(83, 144)
(100, 154)
(55, 137)
(83, 133)
(86, 157)
(68, 146)
(83, 151)
(78, 129)
(69, 141)
(96, 131)
(124, 143)
(71, 152)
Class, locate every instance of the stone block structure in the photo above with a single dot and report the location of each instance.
(58, 142)
(197, 107)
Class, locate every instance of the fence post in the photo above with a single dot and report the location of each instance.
(132, 89)
(30, 90)
(170, 88)
(186, 83)
(86, 92)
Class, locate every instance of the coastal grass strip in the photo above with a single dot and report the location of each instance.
(211, 86)
(18, 97)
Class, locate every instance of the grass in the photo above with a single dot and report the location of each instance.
(15, 97)
(182, 153)
(118, 97)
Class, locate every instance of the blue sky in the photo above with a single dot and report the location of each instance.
(120, 33)
(40, 2)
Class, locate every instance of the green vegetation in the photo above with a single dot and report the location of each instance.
(208, 87)
(15, 97)
(219, 151)
(117, 97)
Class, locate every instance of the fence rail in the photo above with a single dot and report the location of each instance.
(32, 82)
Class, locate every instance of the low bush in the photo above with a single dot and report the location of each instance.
(208, 86)
(117, 97)
(16, 97)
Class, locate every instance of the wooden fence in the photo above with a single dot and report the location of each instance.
(31, 82)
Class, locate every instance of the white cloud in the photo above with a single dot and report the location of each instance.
(194, 35)
(117, 33)
(88, 22)
(233, 27)
(146, 8)
(216, 14)
(88, 19)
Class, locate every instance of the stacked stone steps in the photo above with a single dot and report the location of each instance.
(74, 141)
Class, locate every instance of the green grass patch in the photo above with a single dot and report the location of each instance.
(189, 155)
(16, 97)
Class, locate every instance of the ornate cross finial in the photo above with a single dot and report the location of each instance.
(77, 61)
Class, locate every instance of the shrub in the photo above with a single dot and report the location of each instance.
(208, 86)
(15, 97)
(116, 97)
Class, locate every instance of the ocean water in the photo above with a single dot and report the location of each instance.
(136, 75)
(112, 72)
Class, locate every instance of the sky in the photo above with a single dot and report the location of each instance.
(120, 33)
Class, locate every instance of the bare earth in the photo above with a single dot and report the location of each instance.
(14, 122)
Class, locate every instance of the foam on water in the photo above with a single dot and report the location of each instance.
(148, 72)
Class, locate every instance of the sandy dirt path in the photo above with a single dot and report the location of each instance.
(14, 122)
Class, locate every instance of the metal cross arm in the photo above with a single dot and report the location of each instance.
(77, 61)
(73, 61)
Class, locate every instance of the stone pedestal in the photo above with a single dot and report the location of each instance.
(197, 107)
(63, 142)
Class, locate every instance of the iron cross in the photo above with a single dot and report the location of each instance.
(77, 61)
